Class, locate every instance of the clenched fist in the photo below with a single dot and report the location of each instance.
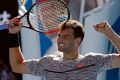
(103, 27)
(15, 25)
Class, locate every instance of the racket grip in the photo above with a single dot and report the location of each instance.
(13, 40)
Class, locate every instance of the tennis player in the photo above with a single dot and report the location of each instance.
(71, 65)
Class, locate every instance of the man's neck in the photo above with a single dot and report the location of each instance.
(70, 56)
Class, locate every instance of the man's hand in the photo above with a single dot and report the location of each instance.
(15, 25)
(103, 27)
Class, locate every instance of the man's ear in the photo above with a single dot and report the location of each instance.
(78, 41)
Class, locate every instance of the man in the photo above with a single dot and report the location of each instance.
(72, 65)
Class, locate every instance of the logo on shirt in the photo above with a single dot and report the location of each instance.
(4, 17)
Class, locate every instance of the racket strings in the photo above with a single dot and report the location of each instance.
(48, 15)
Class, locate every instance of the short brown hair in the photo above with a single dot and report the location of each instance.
(77, 27)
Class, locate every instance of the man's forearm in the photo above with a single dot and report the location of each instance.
(15, 57)
(115, 39)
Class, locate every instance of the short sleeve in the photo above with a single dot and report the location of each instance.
(36, 66)
(103, 61)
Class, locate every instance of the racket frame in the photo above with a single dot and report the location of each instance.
(27, 14)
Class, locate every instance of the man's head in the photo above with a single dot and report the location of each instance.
(70, 36)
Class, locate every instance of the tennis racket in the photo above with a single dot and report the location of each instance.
(45, 16)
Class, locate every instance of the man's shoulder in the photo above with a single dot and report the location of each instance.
(51, 57)
(93, 55)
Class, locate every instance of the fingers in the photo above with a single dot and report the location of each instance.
(14, 22)
(101, 25)
(15, 25)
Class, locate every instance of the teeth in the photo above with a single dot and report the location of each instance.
(61, 44)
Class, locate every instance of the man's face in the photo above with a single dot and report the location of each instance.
(66, 41)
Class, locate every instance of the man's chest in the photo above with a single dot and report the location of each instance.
(70, 70)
